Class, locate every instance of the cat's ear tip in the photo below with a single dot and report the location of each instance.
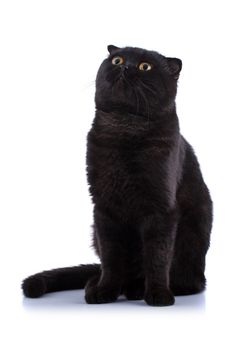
(112, 48)
(175, 66)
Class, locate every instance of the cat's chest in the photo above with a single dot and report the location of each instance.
(120, 176)
(113, 169)
(131, 169)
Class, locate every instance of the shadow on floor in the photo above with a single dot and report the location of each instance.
(75, 300)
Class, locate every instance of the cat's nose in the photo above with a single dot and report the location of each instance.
(124, 67)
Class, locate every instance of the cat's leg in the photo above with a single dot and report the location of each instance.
(109, 236)
(158, 232)
(192, 242)
(134, 283)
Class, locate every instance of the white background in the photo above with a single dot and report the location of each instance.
(49, 54)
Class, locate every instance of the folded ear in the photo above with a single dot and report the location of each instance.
(175, 66)
(112, 48)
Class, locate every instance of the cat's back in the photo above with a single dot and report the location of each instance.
(192, 191)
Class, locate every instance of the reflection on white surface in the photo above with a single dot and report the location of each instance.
(75, 299)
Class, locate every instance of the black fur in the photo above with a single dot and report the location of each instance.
(152, 209)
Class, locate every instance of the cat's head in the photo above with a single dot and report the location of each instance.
(137, 81)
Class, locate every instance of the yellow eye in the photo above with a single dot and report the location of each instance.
(145, 66)
(117, 60)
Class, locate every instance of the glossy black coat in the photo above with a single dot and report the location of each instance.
(152, 209)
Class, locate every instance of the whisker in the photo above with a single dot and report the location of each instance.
(148, 88)
(88, 86)
(146, 104)
(134, 91)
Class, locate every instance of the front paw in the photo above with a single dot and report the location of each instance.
(159, 297)
(99, 294)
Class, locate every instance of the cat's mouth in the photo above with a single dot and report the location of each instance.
(123, 90)
(123, 80)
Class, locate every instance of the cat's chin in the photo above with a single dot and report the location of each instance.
(126, 112)
(121, 113)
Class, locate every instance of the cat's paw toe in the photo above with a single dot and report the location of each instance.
(100, 297)
(96, 294)
(34, 286)
(159, 297)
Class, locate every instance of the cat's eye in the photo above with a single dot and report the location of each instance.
(117, 60)
(145, 66)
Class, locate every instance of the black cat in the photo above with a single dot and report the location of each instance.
(152, 209)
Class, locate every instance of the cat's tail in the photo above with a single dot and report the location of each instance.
(56, 280)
